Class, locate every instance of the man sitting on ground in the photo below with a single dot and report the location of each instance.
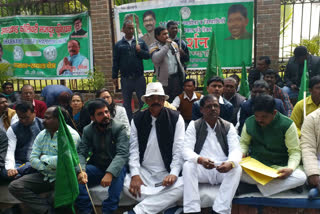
(184, 101)
(8, 116)
(259, 87)
(155, 159)
(21, 136)
(28, 95)
(270, 77)
(12, 96)
(109, 145)
(212, 154)
(43, 158)
(230, 94)
(310, 147)
(215, 87)
(312, 103)
(272, 139)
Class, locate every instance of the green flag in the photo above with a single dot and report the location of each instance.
(145, 105)
(244, 85)
(214, 66)
(66, 186)
(304, 84)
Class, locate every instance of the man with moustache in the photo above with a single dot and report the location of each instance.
(8, 116)
(108, 143)
(21, 136)
(212, 154)
(43, 158)
(128, 56)
(172, 28)
(215, 86)
(260, 87)
(270, 76)
(155, 159)
(272, 139)
(28, 95)
(75, 64)
(166, 59)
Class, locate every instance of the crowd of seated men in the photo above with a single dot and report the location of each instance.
(194, 139)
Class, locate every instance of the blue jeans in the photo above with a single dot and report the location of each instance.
(128, 86)
(94, 178)
(292, 93)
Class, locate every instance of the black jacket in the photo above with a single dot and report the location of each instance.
(294, 71)
(128, 60)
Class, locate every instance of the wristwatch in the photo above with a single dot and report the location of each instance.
(233, 165)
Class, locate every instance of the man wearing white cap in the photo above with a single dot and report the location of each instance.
(155, 159)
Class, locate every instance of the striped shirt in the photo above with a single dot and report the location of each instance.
(44, 153)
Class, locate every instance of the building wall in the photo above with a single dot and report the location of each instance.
(102, 38)
(268, 30)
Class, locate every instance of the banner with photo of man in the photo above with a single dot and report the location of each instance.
(44, 47)
(230, 20)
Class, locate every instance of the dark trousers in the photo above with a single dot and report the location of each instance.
(174, 87)
(128, 86)
(27, 190)
(109, 205)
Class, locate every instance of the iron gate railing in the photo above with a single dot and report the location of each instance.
(300, 23)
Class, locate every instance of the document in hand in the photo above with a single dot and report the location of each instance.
(258, 171)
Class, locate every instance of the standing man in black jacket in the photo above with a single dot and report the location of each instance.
(127, 57)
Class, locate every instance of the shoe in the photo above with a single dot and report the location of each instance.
(245, 188)
(298, 189)
(174, 210)
(129, 212)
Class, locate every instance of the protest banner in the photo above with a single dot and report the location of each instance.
(230, 20)
(41, 47)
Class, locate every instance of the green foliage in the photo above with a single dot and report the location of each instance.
(313, 45)
(95, 81)
(5, 71)
(286, 17)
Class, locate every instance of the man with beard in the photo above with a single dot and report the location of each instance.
(43, 158)
(272, 139)
(212, 154)
(75, 64)
(260, 87)
(155, 160)
(108, 143)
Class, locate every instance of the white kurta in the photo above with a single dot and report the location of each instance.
(194, 173)
(152, 170)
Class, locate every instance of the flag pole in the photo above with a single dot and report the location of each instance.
(304, 105)
(94, 208)
(180, 29)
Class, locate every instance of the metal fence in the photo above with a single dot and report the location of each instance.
(43, 7)
(300, 25)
